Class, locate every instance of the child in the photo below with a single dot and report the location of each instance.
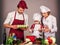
(36, 26)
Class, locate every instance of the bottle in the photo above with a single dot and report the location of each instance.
(14, 39)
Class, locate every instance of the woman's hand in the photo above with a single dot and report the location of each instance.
(46, 29)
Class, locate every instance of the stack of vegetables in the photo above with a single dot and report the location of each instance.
(50, 41)
(12, 40)
(9, 40)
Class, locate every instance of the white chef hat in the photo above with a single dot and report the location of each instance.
(44, 9)
(37, 16)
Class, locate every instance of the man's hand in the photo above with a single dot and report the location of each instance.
(10, 26)
(25, 28)
(14, 26)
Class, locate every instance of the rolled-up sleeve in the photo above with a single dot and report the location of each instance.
(54, 25)
(8, 19)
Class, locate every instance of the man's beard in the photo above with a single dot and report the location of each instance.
(20, 12)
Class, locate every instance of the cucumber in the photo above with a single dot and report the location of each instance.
(22, 26)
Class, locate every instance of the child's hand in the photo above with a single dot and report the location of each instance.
(40, 30)
(31, 30)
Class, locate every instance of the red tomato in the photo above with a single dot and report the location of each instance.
(50, 41)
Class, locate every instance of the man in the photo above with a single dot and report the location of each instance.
(15, 18)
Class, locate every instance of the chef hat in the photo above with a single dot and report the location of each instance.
(22, 4)
(44, 9)
(36, 16)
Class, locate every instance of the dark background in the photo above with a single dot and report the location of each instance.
(58, 22)
(2, 29)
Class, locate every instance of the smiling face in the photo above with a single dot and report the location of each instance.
(20, 10)
(45, 14)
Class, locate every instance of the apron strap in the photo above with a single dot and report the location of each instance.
(42, 22)
(15, 15)
(42, 27)
(23, 17)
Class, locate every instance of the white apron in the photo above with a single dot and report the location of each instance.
(36, 32)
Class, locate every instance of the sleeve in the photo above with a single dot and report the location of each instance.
(54, 25)
(32, 26)
(26, 19)
(8, 19)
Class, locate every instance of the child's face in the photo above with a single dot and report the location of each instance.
(36, 22)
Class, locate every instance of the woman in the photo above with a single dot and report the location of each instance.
(15, 18)
(49, 22)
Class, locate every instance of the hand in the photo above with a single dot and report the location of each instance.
(40, 30)
(46, 30)
(31, 30)
(14, 26)
(26, 28)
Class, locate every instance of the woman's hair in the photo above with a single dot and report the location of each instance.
(48, 12)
